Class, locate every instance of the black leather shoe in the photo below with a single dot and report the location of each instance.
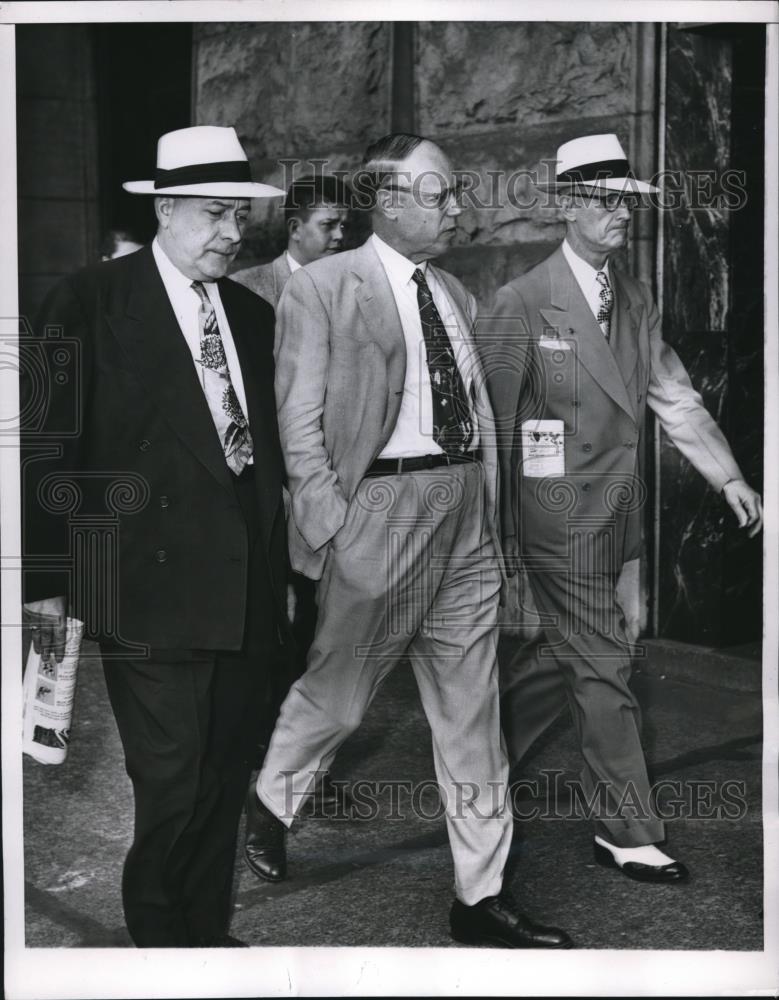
(496, 920)
(220, 941)
(657, 874)
(264, 849)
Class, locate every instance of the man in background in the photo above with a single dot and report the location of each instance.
(316, 212)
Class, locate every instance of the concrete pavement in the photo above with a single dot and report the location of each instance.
(386, 879)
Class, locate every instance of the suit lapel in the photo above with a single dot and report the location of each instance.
(260, 399)
(154, 344)
(571, 317)
(281, 274)
(624, 328)
(377, 303)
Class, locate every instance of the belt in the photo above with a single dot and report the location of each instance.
(418, 463)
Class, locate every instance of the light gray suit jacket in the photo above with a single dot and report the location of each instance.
(266, 280)
(340, 371)
(548, 359)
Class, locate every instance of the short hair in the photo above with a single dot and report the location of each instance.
(382, 159)
(111, 240)
(311, 191)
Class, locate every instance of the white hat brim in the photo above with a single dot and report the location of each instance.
(622, 184)
(223, 189)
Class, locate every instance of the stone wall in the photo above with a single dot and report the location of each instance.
(498, 97)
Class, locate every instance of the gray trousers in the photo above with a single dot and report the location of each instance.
(412, 573)
(582, 659)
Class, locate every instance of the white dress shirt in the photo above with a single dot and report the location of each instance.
(413, 433)
(186, 306)
(292, 264)
(585, 275)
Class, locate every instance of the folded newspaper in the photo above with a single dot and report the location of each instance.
(49, 693)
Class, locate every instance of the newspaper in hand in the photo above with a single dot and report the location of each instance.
(49, 693)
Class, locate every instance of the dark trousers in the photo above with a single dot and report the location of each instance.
(190, 722)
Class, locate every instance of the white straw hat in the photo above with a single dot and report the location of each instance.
(203, 161)
(595, 162)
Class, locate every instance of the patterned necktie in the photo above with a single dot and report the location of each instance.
(230, 422)
(606, 303)
(452, 424)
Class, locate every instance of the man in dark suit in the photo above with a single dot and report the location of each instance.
(386, 429)
(316, 212)
(171, 380)
(574, 354)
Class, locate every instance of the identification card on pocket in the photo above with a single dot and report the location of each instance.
(543, 448)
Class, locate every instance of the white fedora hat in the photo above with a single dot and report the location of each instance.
(595, 162)
(203, 161)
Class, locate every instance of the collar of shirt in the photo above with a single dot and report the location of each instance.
(400, 270)
(585, 275)
(292, 264)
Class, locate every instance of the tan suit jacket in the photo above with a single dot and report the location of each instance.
(340, 369)
(266, 280)
(599, 391)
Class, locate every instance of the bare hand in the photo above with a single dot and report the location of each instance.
(745, 504)
(47, 621)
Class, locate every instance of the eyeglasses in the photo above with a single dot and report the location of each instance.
(611, 202)
(431, 199)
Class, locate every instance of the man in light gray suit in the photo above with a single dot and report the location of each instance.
(574, 357)
(392, 466)
(316, 211)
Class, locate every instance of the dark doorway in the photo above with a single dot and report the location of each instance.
(709, 581)
(143, 90)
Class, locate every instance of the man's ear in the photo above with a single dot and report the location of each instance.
(292, 228)
(163, 209)
(387, 203)
(567, 207)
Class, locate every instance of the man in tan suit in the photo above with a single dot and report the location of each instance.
(392, 467)
(574, 354)
(315, 215)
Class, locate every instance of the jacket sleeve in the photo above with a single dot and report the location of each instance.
(504, 337)
(681, 411)
(302, 362)
(55, 361)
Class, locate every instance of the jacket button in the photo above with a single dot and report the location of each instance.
(164, 502)
(144, 445)
(587, 446)
(161, 555)
(586, 487)
(630, 444)
(575, 402)
(640, 397)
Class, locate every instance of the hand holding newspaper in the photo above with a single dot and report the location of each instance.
(49, 693)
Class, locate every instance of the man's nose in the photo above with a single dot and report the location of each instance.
(623, 212)
(337, 234)
(453, 207)
(230, 230)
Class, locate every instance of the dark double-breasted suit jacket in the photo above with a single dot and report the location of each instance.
(124, 410)
(548, 359)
